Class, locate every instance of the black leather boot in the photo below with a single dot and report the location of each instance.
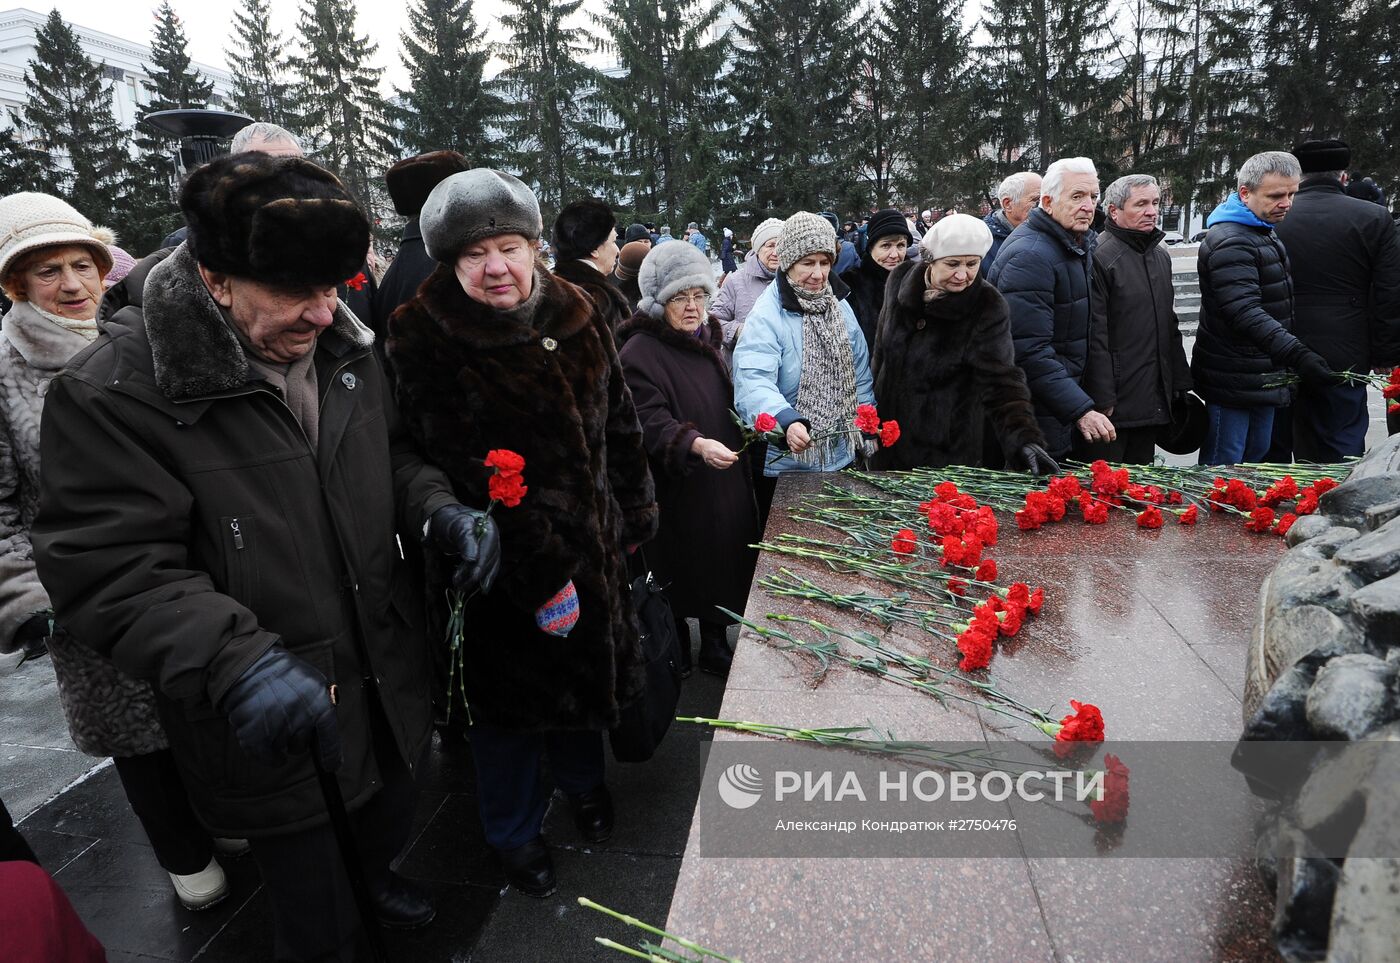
(530, 869)
(716, 653)
(593, 814)
(402, 904)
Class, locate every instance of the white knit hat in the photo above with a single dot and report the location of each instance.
(29, 221)
(805, 233)
(956, 235)
(668, 270)
(766, 231)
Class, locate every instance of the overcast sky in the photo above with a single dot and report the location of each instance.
(208, 23)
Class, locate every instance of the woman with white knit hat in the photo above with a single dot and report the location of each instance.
(52, 262)
(802, 357)
(944, 363)
(741, 289)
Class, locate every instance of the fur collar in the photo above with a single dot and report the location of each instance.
(642, 323)
(42, 344)
(193, 350)
(563, 312)
(909, 282)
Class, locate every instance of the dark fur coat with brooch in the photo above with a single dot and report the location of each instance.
(471, 379)
(945, 370)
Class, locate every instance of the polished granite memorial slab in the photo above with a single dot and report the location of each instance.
(1151, 626)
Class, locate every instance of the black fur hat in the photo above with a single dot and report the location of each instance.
(1323, 156)
(412, 179)
(581, 227)
(278, 220)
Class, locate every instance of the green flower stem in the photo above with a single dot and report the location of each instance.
(635, 923)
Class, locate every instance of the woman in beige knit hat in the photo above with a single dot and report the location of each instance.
(52, 263)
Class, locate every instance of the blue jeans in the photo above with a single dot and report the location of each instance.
(509, 789)
(1235, 435)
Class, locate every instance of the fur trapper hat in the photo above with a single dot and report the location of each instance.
(276, 220)
(582, 227)
(766, 231)
(805, 233)
(956, 235)
(669, 269)
(412, 179)
(474, 205)
(29, 221)
(1323, 156)
(630, 258)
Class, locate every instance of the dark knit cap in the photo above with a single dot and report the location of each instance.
(277, 220)
(581, 227)
(886, 223)
(1319, 156)
(637, 232)
(412, 179)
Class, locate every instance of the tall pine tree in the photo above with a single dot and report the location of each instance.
(446, 105)
(152, 212)
(551, 124)
(668, 103)
(342, 112)
(80, 151)
(257, 59)
(793, 85)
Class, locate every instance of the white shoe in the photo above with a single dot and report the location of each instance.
(231, 847)
(203, 889)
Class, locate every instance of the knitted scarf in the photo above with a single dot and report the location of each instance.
(826, 393)
(88, 328)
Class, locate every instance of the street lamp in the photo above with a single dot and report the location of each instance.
(201, 132)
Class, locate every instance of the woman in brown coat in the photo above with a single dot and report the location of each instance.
(670, 353)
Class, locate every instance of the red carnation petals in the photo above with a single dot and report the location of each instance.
(867, 419)
(1151, 517)
(1188, 517)
(905, 542)
(1112, 809)
(889, 433)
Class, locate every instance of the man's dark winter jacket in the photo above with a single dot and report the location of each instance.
(1001, 230)
(611, 302)
(187, 525)
(1045, 273)
(943, 370)
(471, 379)
(410, 269)
(1345, 256)
(867, 282)
(1244, 344)
(1136, 361)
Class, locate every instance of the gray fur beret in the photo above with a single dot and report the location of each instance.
(670, 269)
(474, 205)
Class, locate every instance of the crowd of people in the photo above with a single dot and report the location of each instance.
(265, 465)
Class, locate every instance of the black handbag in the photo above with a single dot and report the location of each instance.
(644, 721)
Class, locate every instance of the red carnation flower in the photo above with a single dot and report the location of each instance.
(506, 489)
(1066, 487)
(357, 283)
(1174, 498)
(1026, 521)
(764, 423)
(975, 644)
(1307, 504)
(905, 542)
(1112, 808)
(1393, 408)
(1391, 391)
(867, 419)
(505, 461)
(1285, 523)
(889, 433)
(987, 571)
(1324, 485)
(1095, 512)
(1151, 517)
(958, 586)
(1037, 601)
(1188, 517)
(945, 490)
(1280, 491)
(1085, 724)
(1260, 520)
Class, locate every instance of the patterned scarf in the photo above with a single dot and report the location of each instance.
(826, 393)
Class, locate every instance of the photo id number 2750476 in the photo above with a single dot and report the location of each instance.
(979, 825)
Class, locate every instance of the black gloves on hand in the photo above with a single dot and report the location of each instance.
(471, 536)
(33, 635)
(1315, 372)
(1038, 461)
(278, 704)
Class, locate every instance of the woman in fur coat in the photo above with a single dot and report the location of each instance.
(670, 353)
(495, 353)
(944, 363)
(52, 262)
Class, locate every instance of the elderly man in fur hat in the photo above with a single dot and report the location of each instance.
(225, 489)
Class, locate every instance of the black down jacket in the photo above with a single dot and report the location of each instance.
(1044, 272)
(1345, 254)
(1244, 341)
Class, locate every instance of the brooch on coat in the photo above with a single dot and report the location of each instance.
(549, 344)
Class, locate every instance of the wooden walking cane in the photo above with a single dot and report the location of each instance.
(349, 853)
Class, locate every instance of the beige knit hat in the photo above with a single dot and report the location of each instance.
(29, 221)
(766, 231)
(805, 233)
(956, 234)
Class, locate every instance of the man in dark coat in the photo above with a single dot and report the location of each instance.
(1137, 370)
(1044, 271)
(409, 182)
(1019, 194)
(225, 483)
(1244, 347)
(1345, 256)
(585, 254)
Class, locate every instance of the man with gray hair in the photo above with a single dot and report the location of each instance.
(1019, 194)
(266, 138)
(1137, 371)
(1044, 272)
(1245, 345)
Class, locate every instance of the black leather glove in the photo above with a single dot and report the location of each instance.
(33, 634)
(278, 704)
(1315, 372)
(473, 537)
(1038, 461)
